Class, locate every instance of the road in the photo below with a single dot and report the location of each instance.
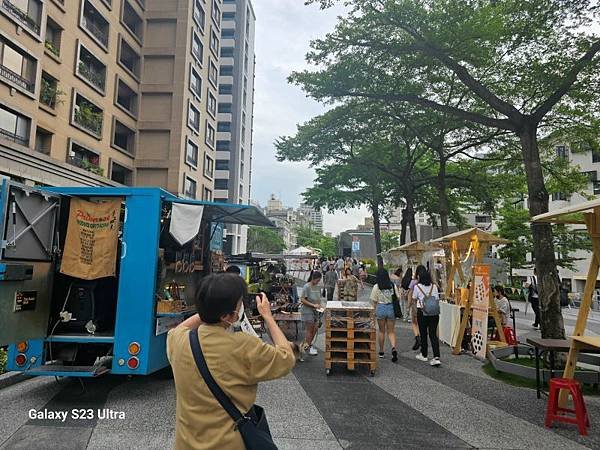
(406, 405)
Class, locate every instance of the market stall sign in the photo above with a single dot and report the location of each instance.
(25, 300)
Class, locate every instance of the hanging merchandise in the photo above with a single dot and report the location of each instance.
(92, 237)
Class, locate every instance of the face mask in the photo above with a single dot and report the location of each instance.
(231, 325)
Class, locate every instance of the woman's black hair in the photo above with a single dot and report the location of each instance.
(219, 295)
(398, 272)
(383, 279)
(500, 289)
(406, 279)
(423, 276)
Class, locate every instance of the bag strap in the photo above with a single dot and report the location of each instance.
(216, 390)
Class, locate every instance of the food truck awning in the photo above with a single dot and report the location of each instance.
(230, 213)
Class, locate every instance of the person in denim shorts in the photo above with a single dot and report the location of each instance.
(382, 295)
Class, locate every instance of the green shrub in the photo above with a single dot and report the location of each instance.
(3, 358)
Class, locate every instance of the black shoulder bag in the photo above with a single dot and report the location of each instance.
(253, 425)
(396, 305)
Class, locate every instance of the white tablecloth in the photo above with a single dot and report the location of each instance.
(449, 323)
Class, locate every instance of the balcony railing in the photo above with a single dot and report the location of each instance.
(96, 31)
(17, 79)
(14, 137)
(21, 16)
(92, 75)
(89, 119)
(85, 165)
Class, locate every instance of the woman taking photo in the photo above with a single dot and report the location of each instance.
(423, 292)
(382, 296)
(237, 362)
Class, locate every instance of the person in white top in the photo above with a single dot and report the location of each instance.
(428, 324)
(382, 296)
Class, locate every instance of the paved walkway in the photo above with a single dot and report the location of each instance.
(406, 405)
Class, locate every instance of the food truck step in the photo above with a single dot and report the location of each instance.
(68, 371)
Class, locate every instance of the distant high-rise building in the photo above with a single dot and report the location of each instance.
(110, 92)
(313, 215)
(235, 113)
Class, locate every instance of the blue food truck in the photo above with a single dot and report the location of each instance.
(60, 325)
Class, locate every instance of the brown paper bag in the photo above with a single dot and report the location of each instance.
(92, 237)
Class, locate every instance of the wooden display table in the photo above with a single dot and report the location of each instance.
(350, 335)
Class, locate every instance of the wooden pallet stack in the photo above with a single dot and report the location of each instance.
(350, 335)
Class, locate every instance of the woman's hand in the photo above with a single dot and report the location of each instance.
(263, 306)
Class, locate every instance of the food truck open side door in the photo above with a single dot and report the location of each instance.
(28, 218)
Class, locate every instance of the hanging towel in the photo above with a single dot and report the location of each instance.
(185, 222)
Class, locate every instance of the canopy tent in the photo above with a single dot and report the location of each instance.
(465, 238)
(302, 251)
(412, 253)
(230, 213)
(587, 213)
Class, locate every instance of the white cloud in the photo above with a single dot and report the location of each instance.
(284, 29)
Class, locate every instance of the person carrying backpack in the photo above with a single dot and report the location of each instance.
(427, 299)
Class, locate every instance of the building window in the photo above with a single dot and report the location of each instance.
(26, 13)
(197, 48)
(222, 164)
(483, 219)
(207, 195)
(228, 33)
(195, 83)
(209, 166)
(591, 175)
(596, 187)
(211, 105)
(127, 98)
(53, 36)
(16, 66)
(210, 135)
(223, 146)
(43, 141)
(226, 52)
(191, 154)
(123, 137)
(121, 174)
(214, 43)
(224, 127)
(216, 13)
(226, 89)
(241, 171)
(595, 155)
(222, 184)
(95, 24)
(213, 74)
(225, 108)
(91, 69)
(199, 14)
(226, 71)
(189, 188)
(559, 196)
(132, 21)
(84, 158)
(228, 16)
(243, 134)
(129, 59)
(562, 152)
(193, 118)
(87, 115)
(14, 126)
(50, 94)
(241, 190)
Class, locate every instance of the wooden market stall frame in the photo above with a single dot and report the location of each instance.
(460, 245)
(588, 214)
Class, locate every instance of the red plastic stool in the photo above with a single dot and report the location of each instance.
(556, 413)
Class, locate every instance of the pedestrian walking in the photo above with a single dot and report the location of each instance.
(311, 316)
(382, 296)
(339, 267)
(427, 297)
(330, 280)
(350, 286)
(408, 284)
(236, 361)
(534, 298)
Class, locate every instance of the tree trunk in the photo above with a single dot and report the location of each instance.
(377, 233)
(543, 244)
(403, 228)
(410, 218)
(443, 203)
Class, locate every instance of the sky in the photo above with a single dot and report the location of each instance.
(284, 29)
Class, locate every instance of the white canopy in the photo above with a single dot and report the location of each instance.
(303, 251)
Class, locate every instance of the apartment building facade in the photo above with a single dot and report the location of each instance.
(235, 113)
(110, 92)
